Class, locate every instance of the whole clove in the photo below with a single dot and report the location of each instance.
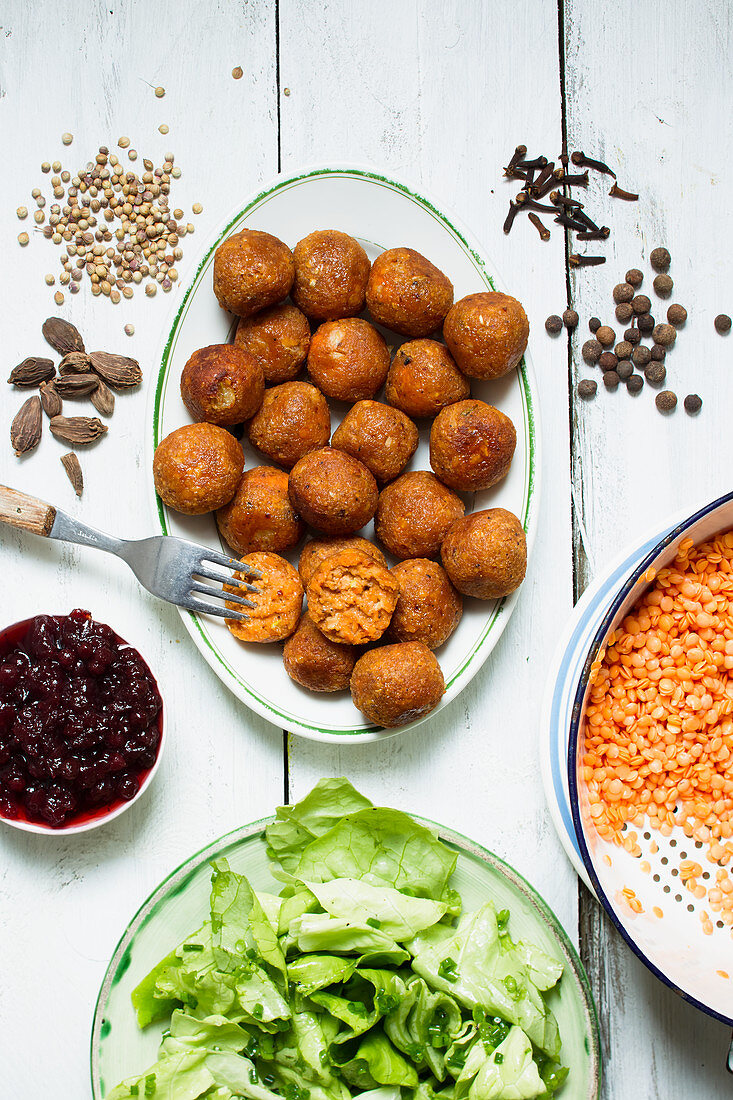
(619, 193)
(565, 200)
(528, 203)
(585, 261)
(517, 155)
(543, 231)
(570, 223)
(544, 176)
(509, 220)
(580, 160)
(601, 234)
(578, 180)
(537, 163)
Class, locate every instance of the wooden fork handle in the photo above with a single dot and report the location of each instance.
(20, 510)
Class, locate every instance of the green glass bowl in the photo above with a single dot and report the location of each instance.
(181, 903)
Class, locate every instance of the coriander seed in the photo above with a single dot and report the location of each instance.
(606, 336)
(722, 324)
(159, 92)
(39, 217)
(594, 324)
(663, 285)
(664, 335)
(591, 351)
(693, 403)
(58, 298)
(660, 259)
(623, 292)
(67, 138)
(641, 304)
(624, 312)
(666, 401)
(132, 155)
(635, 383)
(237, 72)
(50, 279)
(45, 167)
(23, 239)
(163, 129)
(22, 212)
(129, 330)
(197, 208)
(587, 389)
(634, 277)
(151, 290)
(676, 315)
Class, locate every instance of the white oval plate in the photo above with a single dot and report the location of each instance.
(381, 213)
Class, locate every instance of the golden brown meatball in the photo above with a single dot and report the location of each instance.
(428, 609)
(397, 684)
(471, 445)
(331, 272)
(414, 514)
(380, 437)
(222, 385)
(348, 359)
(333, 491)
(407, 293)
(260, 516)
(487, 334)
(485, 554)
(197, 468)
(278, 601)
(423, 379)
(315, 662)
(293, 420)
(279, 338)
(252, 270)
(317, 550)
(351, 597)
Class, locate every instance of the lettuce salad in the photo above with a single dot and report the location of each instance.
(362, 979)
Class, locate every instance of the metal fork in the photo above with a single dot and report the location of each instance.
(166, 566)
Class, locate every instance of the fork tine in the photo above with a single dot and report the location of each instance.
(220, 594)
(229, 563)
(213, 575)
(203, 608)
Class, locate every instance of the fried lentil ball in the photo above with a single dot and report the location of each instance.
(397, 684)
(383, 438)
(197, 468)
(423, 379)
(279, 338)
(485, 554)
(487, 334)
(260, 516)
(315, 662)
(351, 597)
(471, 445)
(414, 514)
(222, 385)
(317, 550)
(428, 608)
(333, 491)
(407, 293)
(252, 270)
(331, 272)
(348, 359)
(277, 603)
(294, 419)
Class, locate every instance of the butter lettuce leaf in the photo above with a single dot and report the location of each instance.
(180, 1077)
(296, 826)
(393, 913)
(509, 1072)
(239, 925)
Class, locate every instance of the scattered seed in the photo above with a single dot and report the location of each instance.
(722, 322)
(676, 315)
(159, 92)
(129, 330)
(570, 319)
(666, 401)
(646, 323)
(658, 353)
(623, 350)
(635, 383)
(151, 290)
(624, 312)
(50, 280)
(655, 373)
(663, 285)
(634, 277)
(45, 167)
(286, 91)
(692, 403)
(664, 335)
(608, 361)
(606, 336)
(58, 298)
(594, 324)
(642, 356)
(623, 292)
(25, 430)
(624, 370)
(132, 155)
(237, 72)
(587, 389)
(70, 463)
(660, 259)
(553, 324)
(163, 129)
(197, 208)
(611, 380)
(22, 212)
(591, 351)
(123, 142)
(67, 138)
(641, 304)
(633, 336)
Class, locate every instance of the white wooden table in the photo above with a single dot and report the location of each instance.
(440, 93)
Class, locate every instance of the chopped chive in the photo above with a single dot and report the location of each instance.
(373, 922)
(193, 947)
(258, 1011)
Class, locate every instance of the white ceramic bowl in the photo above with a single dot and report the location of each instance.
(673, 946)
(86, 825)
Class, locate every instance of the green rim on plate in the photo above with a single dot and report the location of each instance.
(176, 883)
(527, 513)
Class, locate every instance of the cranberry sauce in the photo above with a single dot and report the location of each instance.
(80, 720)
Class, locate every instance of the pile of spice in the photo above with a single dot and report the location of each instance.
(115, 224)
(630, 360)
(81, 375)
(543, 178)
(658, 749)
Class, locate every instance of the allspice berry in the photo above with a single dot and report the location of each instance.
(623, 350)
(611, 380)
(676, 315)
(642, 356)
(633, 336)
(553, 324)
(591, 351)
(587, 389)
(624, 312)
(664, 335)
(608, 361)
(666, 401)
(722, 323)
(594, 324)
(660, 259)
(693, 404)
(641, 304)
(634, 277)
(646, 323)
(635, 384)
(624, 370)
(570, 319)
(606, 336)
(623, 292)
(663, 285)
(658, 353)
(655, 373)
